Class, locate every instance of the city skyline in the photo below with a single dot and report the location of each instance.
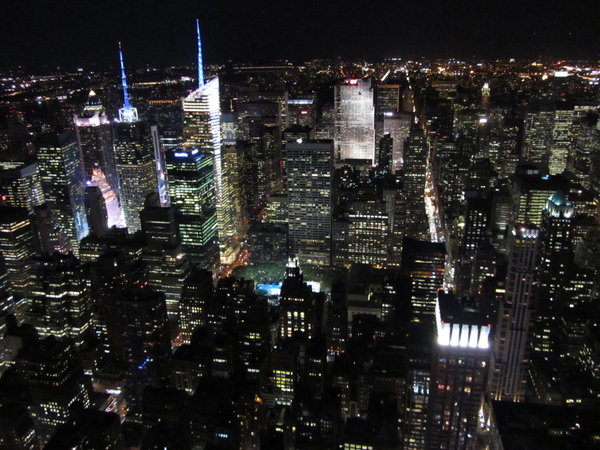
(327, 254)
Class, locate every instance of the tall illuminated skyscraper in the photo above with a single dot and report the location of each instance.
(135, 158)
(354, 132)
(191, 188)
(515, 314)
(397, 126)
(310, 170)
(202, 130)
(556, 258)
(95, 139)
(61, 173)
(459, 375)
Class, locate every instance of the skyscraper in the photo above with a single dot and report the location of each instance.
(556, 259)
(21, 187)
(167, 264)
(134, 158)
(529, 191)
(202, 130)
(415, 171)
(95, 139)
(191, 188)
(561, 140)
(61, 302)
(537, 136)
(310, 167)
(143, 318)
(388, 98)
(16, 246)
(459, 375)
(135, 165)
(423, 263)
(397, 125)
(510, 358)
(61, 173)
(354, 133)
(298, 304)
(196, 296)
(56, 382)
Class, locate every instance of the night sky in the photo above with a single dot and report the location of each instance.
(71, 33)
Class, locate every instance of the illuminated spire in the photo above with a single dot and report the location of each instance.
(200, 63)
(127, 113)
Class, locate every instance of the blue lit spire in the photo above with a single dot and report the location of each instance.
(200, 63)
(127, 113)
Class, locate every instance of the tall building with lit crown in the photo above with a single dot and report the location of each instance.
(135, 166)
(354, 132)
(191, 188)
(61, 173)
(459, 375)
(309, 173)
(555, 261)
(299, 304)
(516, 312)
(134, 159)
(202, 130)
(95, 139)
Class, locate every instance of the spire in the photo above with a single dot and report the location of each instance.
(127, 113)
(200, 63)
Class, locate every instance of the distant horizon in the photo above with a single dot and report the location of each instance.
(37, 33)
(99, 68)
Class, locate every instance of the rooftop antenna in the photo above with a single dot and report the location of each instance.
(200, 63)
(127, 113)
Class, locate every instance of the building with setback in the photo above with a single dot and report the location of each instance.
(202, 130)
(510, 358)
